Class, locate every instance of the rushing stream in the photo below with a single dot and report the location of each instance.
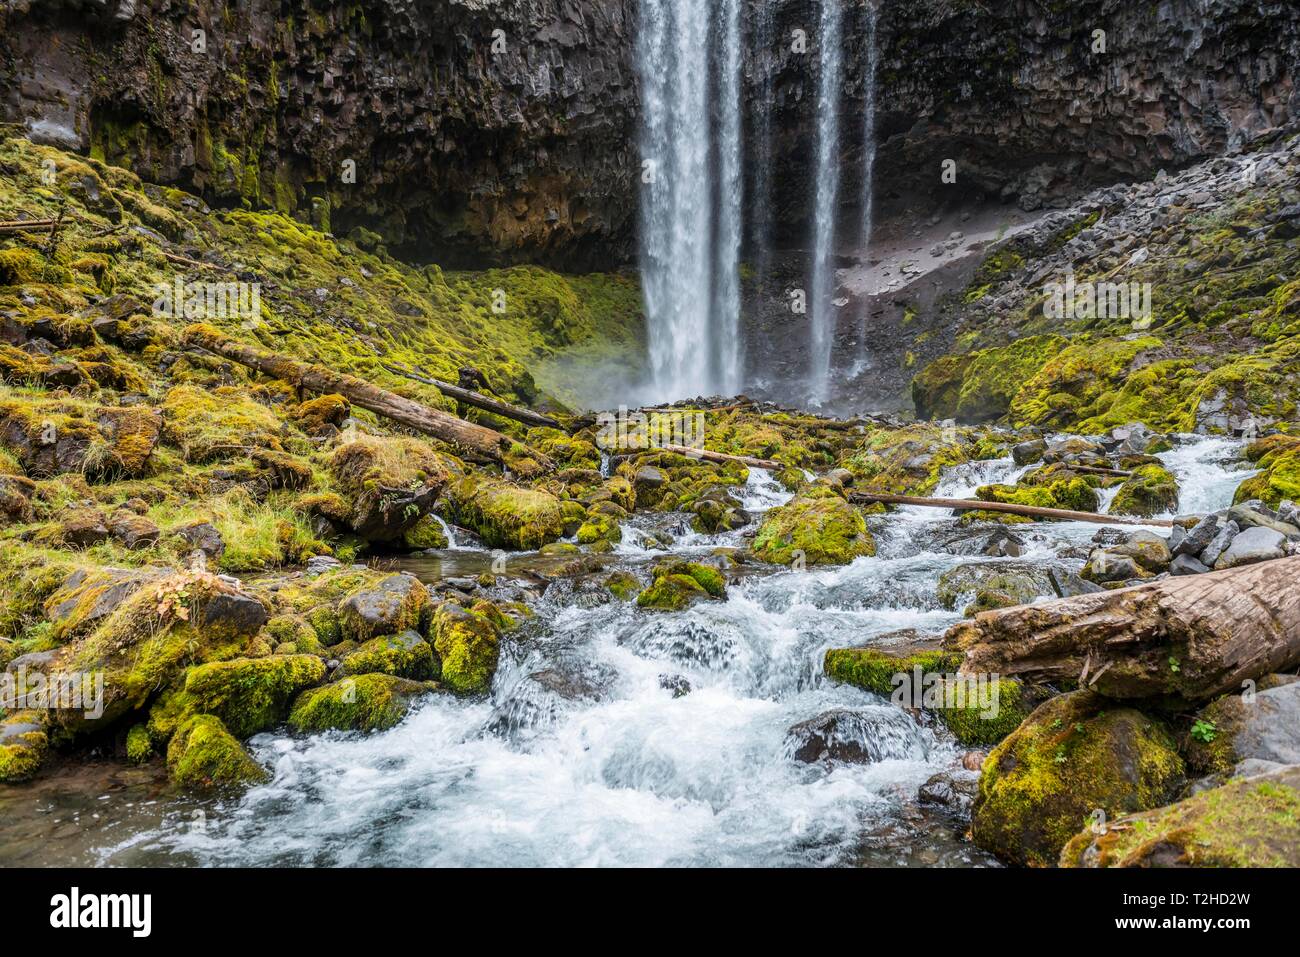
(591, 751)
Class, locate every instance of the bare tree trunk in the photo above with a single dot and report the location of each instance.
(473, 440)
(1183, 639)
(1032, 511)
(480, 401)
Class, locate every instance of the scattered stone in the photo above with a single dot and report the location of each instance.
(1256, 544)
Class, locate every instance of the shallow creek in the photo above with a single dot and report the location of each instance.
(583, 754)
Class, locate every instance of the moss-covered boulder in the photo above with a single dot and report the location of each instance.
(1248, 822)
(146, 644)
(204, 756)
(428, 532)
(251, 694)
(505, 515)
(468, 647)
(822, 530)
(1150, 490)
(1075, 755)
(390, 483)
(978, 710)
(1021, 583)
(1278, 458)
(679, 584)
(370, 702)
(139, 746)
(406, 655)
(23, 744)
(390, 606)
(879, 671)
(623, 585)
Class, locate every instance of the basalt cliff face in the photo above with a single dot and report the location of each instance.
(505, 131)
(478, 132)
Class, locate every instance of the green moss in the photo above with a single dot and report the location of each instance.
(139, 747)
(623, 585)
(371, 702)
(1278, 458)
(1151, 490)
(876, 670)
(506, 516)
(1070, 494)
(980, 387)
(203, 756)
(820, 531)
(468, 645)
(1076, 384)
(426, 533)
(406, 655)
(23, 746)
(1252, 822)
(672, 593)
(1074, 755)
(599, 528)
(251, 694)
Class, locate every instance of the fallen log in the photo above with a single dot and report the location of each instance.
(723, 457)
(1182, 640)
(474, 440)
(21, 225)
(480, 401)
(1098, 470)
(1031, 511)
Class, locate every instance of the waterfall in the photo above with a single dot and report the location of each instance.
(827, 188)
(725, 352)
(762, 36)
(690, 206)
(868, 153)
(868, 130)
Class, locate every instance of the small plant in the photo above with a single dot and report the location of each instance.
(1204, 731)
(1174, 666)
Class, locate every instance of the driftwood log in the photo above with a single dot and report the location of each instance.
(1032, 511)
(475, 441)
(478, 400)
(1183, 639)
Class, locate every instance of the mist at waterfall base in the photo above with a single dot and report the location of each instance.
(701, 222)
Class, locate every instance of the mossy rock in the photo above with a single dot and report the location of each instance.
(1278, 458)
(370, 702)
(820, 530)
(1151, 490)
(406, 655)
(1249, 822)
(599, 528)
(1020, 583)
(1074, 495)
(139, 746)
(390, 606)
(204, 756)
(623, 585)
(23, 746)
(1074, 755)
(218, 424)
(251, 694)
(978, 714)
(877, 670)
(426, 533)
(295, 632)
(506, 516)
(672, 593)
(468, 646)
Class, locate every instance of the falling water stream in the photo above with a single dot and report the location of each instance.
(825, 199)
(587, 752)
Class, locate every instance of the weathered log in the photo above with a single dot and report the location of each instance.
(723, 457)
(470, 439)
(479, 401)
(1183, 639)
(1032, 511)
(1097, 470)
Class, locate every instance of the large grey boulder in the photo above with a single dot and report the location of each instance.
(1257, 544)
